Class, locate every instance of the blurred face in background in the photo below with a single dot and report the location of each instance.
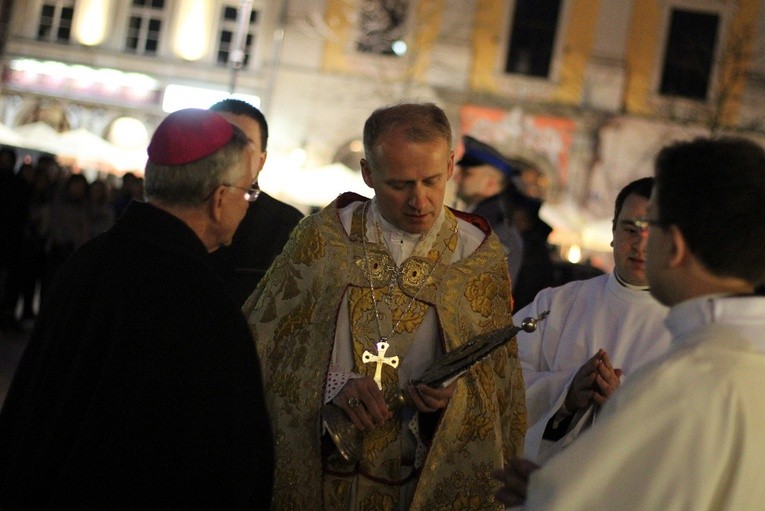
(630, 241)
(477, 182)
(251, 129)
(76, 188)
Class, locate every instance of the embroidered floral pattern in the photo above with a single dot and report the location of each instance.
(309, 246)
(480, 293)
(377, 502)
(291, 329)
(467, 503)
(463, 493)
(412, 319)
(478, 422)
(415, 271)
(294, 311)
(336, 494)
(375, 444)
(379, 267)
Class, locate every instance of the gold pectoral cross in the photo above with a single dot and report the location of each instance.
(380, 359)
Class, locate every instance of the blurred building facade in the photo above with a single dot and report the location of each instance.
(583, 92)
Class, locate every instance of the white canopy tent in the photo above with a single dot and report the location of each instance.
(317, 186)
(83, 148)
(10, 137)
(79, 147)
(38, 135)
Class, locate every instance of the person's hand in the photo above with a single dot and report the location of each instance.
(515, 480)
(580, 393)
(363, 403)
(429, 399)
(607, 379)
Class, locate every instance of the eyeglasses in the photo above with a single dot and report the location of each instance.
(250, 194)
(646, 223)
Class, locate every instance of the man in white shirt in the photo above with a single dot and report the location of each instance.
(686, 431)
(598, 330)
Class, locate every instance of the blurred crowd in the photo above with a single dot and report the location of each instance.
(46, 213)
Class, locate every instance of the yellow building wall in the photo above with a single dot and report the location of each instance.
(580, 38)
(487, 25)
(642, 45)
(642, 48)
(733, 72)
(423, 30)
(643, 52)
(487, 36)
(338, 15)
(428, 26)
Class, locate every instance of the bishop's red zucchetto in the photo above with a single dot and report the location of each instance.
(188, 135)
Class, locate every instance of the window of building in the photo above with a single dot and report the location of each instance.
(144, 26)
(689, 54)
(56, 21)
(382, 23)
(228, 30)
(533, 32)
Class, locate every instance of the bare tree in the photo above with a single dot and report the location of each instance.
(734, 65)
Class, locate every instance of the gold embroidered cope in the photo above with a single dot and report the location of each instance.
(292, 315)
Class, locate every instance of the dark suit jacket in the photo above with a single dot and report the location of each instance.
(260, 237)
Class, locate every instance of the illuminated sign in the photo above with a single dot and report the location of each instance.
(81, 82)
(184, 96)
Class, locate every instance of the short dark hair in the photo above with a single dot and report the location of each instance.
(641, 187)
(423, 122)
(239, 107)
(713, 190)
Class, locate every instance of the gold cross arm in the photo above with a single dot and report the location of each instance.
(380, 359)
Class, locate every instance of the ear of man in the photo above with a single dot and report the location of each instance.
(262, 160)
(215, 204)
(366, 172)
(679, 253)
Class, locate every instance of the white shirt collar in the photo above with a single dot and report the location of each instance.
(402, 244)
(744, 314)
(627, 293)
(627, 284)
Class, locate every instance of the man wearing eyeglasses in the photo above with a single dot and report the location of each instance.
(599, 330)
(686, 431)
(268, 222)
(141, 386)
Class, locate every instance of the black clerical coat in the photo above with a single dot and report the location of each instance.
(140, 386)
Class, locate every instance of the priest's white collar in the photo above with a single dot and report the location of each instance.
(627, 284)
(745, 314)
(632, 294)
(402, 244)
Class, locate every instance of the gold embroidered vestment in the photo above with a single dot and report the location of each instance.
(293, 315)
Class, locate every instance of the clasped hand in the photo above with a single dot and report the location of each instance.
(514, 477)
(593, 383)
(370, 408)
